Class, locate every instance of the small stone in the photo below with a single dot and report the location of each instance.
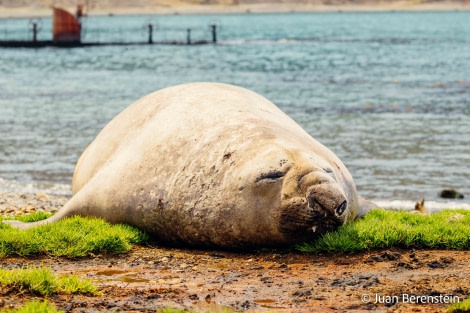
(435, 264)
(217, 255)
(455, 217)
(193, 297)
(257, 267)
(374, 258)
(267, 280)
(391, 256)
(303, 292)
(447, 259)
(245, 305)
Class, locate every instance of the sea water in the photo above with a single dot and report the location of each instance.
(389, 93)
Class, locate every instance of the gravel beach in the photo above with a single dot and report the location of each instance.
(12, 204)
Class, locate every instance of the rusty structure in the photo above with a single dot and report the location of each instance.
(67, 33)
(65, 26)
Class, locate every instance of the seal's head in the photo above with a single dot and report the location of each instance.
(309, 193)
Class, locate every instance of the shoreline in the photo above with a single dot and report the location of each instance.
(400, 6)
(155, 276)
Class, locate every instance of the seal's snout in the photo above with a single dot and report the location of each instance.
(325, 199)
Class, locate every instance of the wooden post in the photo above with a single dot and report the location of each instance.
(35, 32)
(188, 38)
(150, 33)
(214, 33)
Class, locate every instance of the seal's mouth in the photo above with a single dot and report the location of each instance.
(309, 219)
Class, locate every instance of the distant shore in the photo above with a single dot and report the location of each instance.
(398, 6)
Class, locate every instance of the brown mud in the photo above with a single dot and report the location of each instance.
(148, 278)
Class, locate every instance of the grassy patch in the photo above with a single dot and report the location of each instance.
(41, 281)
(34, 307)
(460, 307)
(383, 229)
(34, 217)
(72, 237)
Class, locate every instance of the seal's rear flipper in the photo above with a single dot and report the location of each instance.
(71, 208)
(16, 224)
(365, 206)
(24, 225)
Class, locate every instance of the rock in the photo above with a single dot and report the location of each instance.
(193, 297)
(303, 292)
(435, 264)
(450, 194)
(419, 206)
(455, 217)
(391, 255)
(447, 259)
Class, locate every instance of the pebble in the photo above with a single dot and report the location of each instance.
(13, 204)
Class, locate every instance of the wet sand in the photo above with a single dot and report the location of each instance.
(151, 277)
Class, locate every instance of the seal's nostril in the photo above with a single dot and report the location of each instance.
(341, 208)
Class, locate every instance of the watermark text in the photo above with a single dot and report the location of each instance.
(409, 298)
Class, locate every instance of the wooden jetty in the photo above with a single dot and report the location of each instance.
(67, 33)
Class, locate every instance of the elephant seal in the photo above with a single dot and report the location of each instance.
(212, 165)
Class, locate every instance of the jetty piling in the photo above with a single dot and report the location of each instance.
(35, 32)
(35, 27)
(150, 27)
(188, 36)
(214, 33)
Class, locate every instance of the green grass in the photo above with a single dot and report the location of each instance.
(41, 281)
(381, 229)
(35, 307)
(72, 237)
(460, 307)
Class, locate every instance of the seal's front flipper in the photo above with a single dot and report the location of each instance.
(365, 206)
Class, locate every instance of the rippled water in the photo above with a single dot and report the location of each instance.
(389, 93)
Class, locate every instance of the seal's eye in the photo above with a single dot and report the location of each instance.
(270, 176)
(328, 170)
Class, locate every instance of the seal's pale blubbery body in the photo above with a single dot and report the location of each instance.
(213, 165)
